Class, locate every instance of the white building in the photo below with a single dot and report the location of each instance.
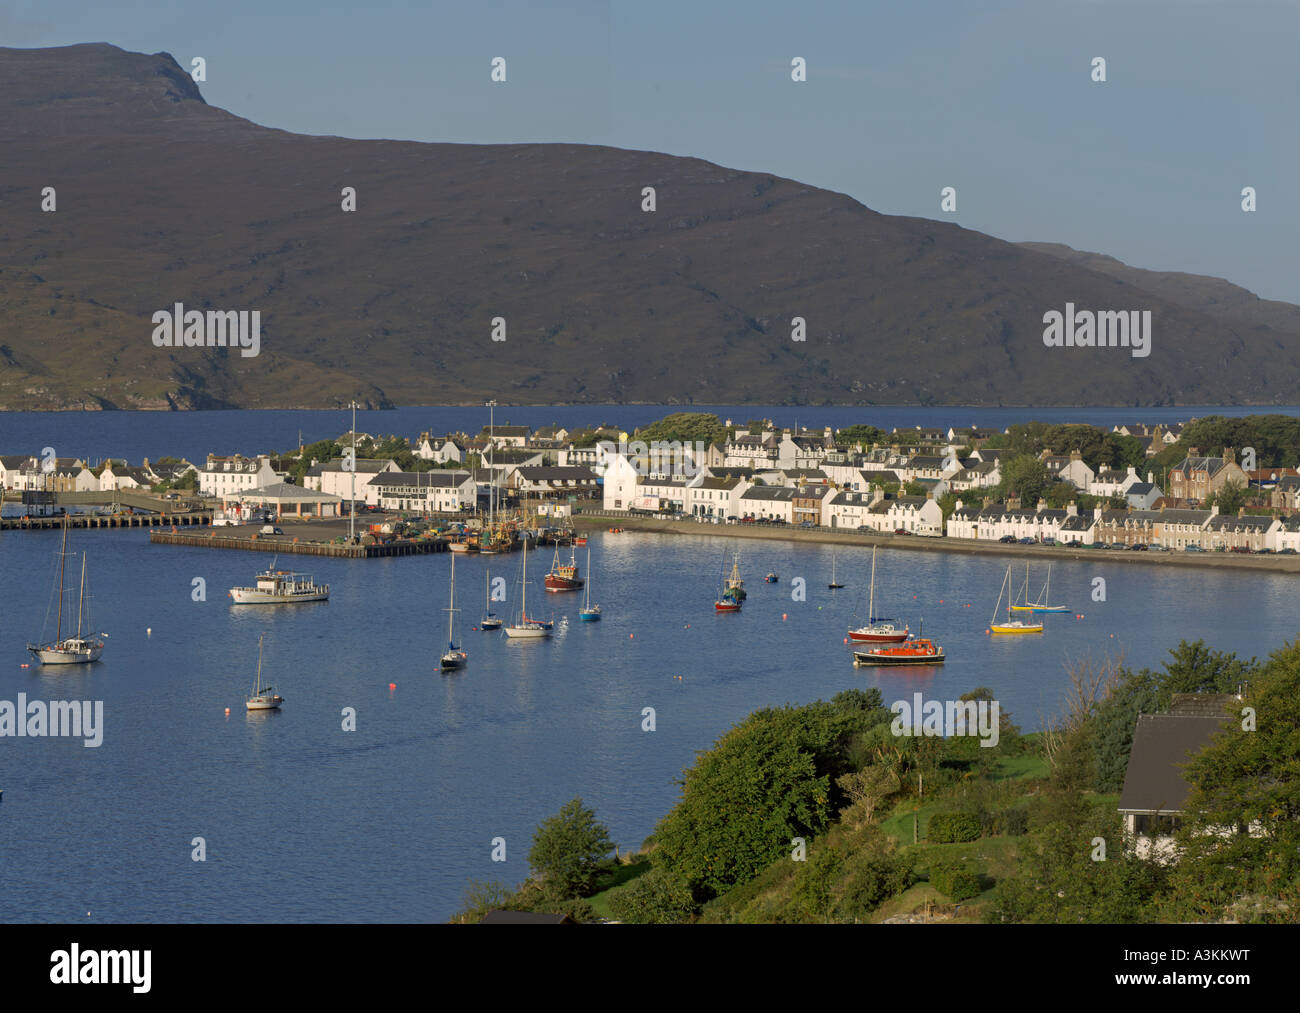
(425, 491)
(331, 477)
(226, 477)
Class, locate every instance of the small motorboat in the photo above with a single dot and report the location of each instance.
(771, 578)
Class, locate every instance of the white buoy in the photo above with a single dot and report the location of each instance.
(148, 631)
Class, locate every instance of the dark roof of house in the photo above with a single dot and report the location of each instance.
(1140, 488)
(420, 479)
(1154, 782)
(507, 431)
(525, 918)
(364, 466)
(557, 473)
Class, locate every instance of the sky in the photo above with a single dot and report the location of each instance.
(994, 98)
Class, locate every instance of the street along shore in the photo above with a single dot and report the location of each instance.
(1271, 563)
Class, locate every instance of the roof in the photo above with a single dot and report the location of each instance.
(1154, 782)
(435, 479)
(556, 473)
(525, 918)
(283, 492)
(363, 466)
(507, 431)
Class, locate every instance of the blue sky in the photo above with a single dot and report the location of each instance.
(993, 98)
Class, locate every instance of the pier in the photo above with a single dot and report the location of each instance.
(187, 519)
(285, 545)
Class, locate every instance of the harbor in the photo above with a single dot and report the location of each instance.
(314, 539)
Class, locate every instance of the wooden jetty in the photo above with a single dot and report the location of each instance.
(134, 520)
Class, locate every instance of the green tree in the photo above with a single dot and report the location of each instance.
(1024, 477)
(863, 434)
(567, 851)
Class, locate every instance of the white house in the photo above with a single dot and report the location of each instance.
(331, 477)
(766, 501)
(424, 491)
(226, 477)
(708, 496)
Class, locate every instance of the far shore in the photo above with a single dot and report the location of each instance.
(588, 521)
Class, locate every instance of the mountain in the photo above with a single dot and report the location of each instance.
(163, 199)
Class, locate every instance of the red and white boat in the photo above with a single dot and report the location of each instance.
(914, 652)
(875, 631)
(563, 577)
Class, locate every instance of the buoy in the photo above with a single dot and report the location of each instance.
(148, 631)
(940, 601)
(24, 665)
(630, 636)
(846, 640)
(988, 631)
(783, 617)
(227, 712)
(392, 685)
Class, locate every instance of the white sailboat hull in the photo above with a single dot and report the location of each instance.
(68, 653)
(527, 632)
(264, 703)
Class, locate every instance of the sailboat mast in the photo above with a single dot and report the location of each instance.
(523, 587)
(81, 603)
(586, 599)
(451, 603)
(871, 596)
(258, 689)
(63, 558)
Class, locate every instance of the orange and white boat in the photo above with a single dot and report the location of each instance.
(915, 651)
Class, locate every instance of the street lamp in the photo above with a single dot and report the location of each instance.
(492, 482)
(352, 496)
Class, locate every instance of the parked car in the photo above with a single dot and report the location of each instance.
(806, 524)
(901, 531)
(271, 529)
(1157, 547)
(1026, 541)
(1286, 552)
(1138, 547)
(1007, 539)
(1100, 545)
(1049, 540)
(1193, 548)
(1240, 549)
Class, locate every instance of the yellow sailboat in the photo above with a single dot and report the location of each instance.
(1010, 626)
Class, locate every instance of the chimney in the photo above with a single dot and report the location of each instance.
(1193, 451)
(1229, 455)
(1075, 456)
(1042, 504)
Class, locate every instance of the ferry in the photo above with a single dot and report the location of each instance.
(280, 587)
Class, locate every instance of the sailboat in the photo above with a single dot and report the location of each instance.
(490, 620)
(833, 585)
(81, 648)
(525, 628)
(1011, 625)
(589, 613)
(875, 631)
(454, 657)
(1042, 604)
(263, 698)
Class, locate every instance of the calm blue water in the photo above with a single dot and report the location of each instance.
(304, 821)
(193, 435)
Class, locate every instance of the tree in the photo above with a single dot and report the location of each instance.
(1229, 499)
(863, 434)
(686, 427)
(1026, 478)
(567, 851)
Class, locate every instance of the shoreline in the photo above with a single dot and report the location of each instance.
(965, 546)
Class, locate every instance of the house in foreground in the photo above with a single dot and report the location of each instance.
(1155, 791)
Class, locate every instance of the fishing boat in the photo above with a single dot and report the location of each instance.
(876, 631)
(563, 576)
(525, 628)
(771, 578)
(582, 540)
(453, 657)
(732, 591)
(916, 651)
(490, 620)
(1043, 599)
(589, 613)
(81, 648)
(734, 586)
(280, 587)
(833, 585)
(263, 698)
(1010, 626)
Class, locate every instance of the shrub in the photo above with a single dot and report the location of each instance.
(655, 897)
(956, 881)
(1014, 822)
(950, 828)
(870, 879)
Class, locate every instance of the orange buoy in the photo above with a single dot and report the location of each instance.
(392, 685)
(783, 617)
(24, 665)
(630, 636)
(227, 712)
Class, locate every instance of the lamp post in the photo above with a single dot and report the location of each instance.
(492, 479)
(352, 496)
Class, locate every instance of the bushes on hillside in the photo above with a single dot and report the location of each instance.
(951, 828)
(955, 880)
(655, 897)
